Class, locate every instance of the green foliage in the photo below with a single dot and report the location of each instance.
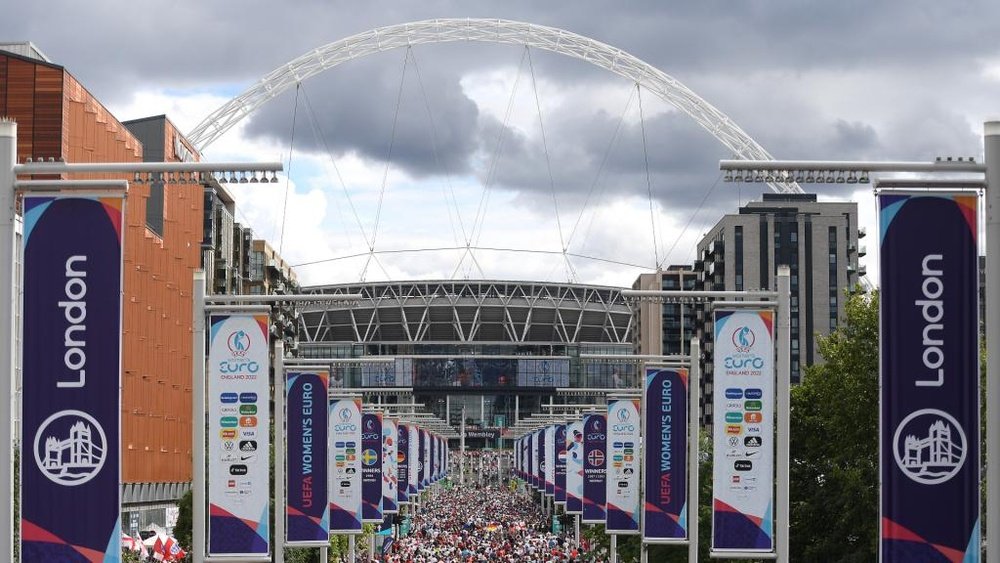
(182, 530)
(834, 444)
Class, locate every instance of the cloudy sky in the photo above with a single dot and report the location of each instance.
(417, 153)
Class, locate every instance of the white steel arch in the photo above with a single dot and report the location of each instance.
(552, 39)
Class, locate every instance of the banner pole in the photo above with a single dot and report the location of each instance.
(614, 548)
(279, 452)
(694, 447)
(8, 298)
(351, 555)
(198, 414)
(991, 146)
(783, 409)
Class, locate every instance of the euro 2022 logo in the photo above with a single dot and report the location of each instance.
(70, 448)
(345, 415)
(743, 339)
(929, 446)
(239, 343)
(623, 415)
(369, 424)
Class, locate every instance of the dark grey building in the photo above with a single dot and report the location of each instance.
(817, 240)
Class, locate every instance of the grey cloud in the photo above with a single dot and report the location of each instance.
(353, 110)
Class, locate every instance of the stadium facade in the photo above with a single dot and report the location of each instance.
(500, 349)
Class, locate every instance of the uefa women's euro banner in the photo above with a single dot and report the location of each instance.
(371, 467)
(595, 440)
(239, 415)
(624, 502)
(345, 469)
(70, 464)
(307, 512)
(743, 432)
(929, 377)
(560, 464)
(403, 464)
(550, 460)
(665, 467)
(574, 467)
(414, 460)
(390, 469)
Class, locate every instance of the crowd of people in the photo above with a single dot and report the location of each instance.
(477, 523)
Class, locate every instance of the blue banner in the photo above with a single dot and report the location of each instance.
(371, 467)
(595, 441)
(422, 459)
(71, 404)
(665, 467)
(560, 469)
(929, 377)
(308, 508)
(403, 464)
(345, 481)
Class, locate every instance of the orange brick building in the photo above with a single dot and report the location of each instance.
(57, 118)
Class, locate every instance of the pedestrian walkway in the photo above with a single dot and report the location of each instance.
(482, 523)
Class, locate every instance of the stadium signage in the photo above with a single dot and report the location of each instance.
(624, 502)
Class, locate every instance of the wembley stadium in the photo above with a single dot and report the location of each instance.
(500, 350)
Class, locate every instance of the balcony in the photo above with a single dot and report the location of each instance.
(862, 232)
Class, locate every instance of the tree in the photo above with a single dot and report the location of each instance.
(182, 529)
(834, 473)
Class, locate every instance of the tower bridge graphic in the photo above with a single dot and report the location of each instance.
(76, 457)
(933, 455)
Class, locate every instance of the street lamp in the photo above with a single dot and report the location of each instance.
(9, 187)
(985, 175)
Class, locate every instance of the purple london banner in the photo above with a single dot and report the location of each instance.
(665, 467)
(371, 467)
(560, 468)
(345, 479)
(403, 464)
(307, 512)
(929, 377)
(595, 442)
(71, 375)
(574, 467)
